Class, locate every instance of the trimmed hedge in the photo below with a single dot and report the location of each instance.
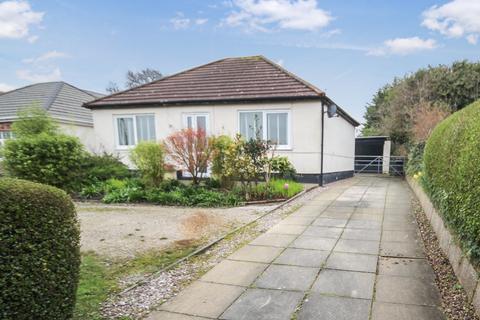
(452, 175)
(53, 159)
(39, 251)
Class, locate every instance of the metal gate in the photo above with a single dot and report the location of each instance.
(375, 164)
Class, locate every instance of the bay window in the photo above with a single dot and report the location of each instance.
(132, 129)
(271, 125)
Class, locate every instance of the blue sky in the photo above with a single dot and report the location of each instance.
(347, 48)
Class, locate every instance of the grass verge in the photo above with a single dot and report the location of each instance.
(99, 276)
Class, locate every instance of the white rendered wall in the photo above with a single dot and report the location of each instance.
(339, 142)
(305, 130)
(84, 133)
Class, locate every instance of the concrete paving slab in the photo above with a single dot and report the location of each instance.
(400, 236)
(405, 290)
(239, 273)
(203, 299)
(357, 246)
(256, 254)
(402, 249)
(364, 224)
(345, 283)
(164, 315)
(287, 229)
(414, 268)
(319, 307)
(282, 277)
(399, 226)
(369, 210)
(274, 240)
(336, 215)
(302, 257)
(263, 304)
(390, 311)
(352, 262)
(300, 221)
(314, 243)
(367, 217)
(361, 234)
(329, 222)
(323, 232)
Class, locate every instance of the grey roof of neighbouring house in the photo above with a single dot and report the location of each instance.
(62, 101)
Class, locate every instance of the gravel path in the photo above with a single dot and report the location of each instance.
(454, 299)
(122, 231)
(158, 289)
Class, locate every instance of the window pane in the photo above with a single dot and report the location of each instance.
(189, 122)
(251, 125)
(125, 132)
(277, 128)
(202, 123)
(145, 128)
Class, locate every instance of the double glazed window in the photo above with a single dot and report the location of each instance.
(4, 135)
(196, 121)
(273, 126)
(132, 129)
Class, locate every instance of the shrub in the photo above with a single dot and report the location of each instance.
(282, 167)
(39, 251)
(220, 146)
(103, 167)
(149, 158)
(191, 150)
(51, 159)
(415, 159)
(452, 175)
(193, 196)
(33, 121)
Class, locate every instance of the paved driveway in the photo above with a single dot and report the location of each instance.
(351, 253)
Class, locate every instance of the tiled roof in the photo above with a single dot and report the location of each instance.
(230, 79)
(62, 101)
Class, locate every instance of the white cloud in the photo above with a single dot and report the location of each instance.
(284, 14)
(6, 87)
(46, 56)
(16, 17)
(456, 19)
(201, 21)
(32, 39)
(28, 75)
(180, 22)
(403, 46)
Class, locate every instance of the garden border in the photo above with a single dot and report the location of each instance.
(215, 241)
(465, 272)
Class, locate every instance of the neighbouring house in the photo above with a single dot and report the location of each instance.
(63, 103)
(234, 95)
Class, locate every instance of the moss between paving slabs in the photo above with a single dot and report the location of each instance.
(99, 276)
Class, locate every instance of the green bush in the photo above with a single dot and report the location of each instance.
(282, 167)
(33, 121)
(149, 158)
(103, 167)
(415, 159)
(221, 145)
(39, 251)
(452, 175)
(53, 159)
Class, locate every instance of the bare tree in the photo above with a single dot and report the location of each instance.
(112, 87)
(135, 79)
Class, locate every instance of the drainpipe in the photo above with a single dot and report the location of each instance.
(320, 183)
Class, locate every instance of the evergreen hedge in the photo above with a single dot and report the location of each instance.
(452, 175)
(39, 251)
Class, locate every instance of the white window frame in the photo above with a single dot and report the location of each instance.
(3, 138)
(287, 146)
(194, 122)
(135, 134)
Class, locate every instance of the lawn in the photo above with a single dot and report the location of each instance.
(99, 276)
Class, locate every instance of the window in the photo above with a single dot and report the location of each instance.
(270, 125)
(196, 121)
(4, 135)
(132, 129)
